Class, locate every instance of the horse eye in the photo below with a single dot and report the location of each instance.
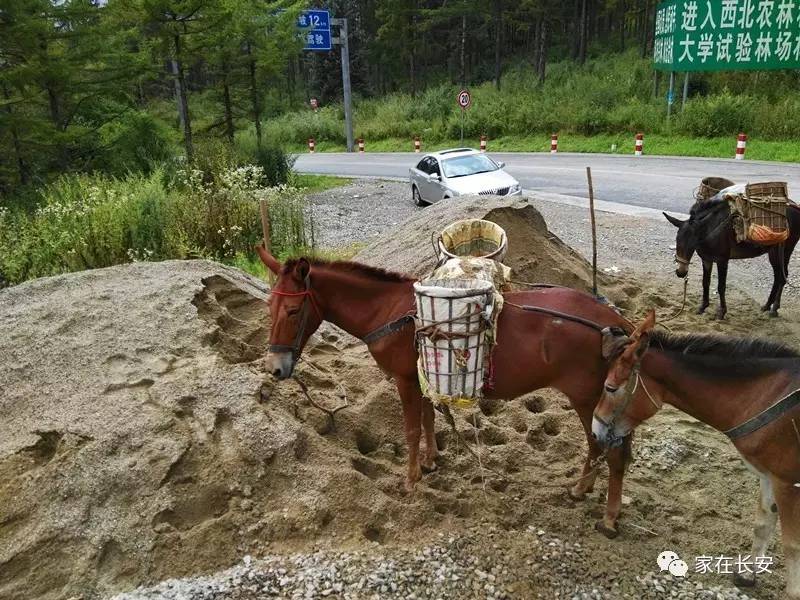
(292, 311)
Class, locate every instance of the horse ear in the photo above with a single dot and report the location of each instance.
(674, 220)
(613, 342)
(301, 269)
(644, 331)
(649, 321)
(269, 261)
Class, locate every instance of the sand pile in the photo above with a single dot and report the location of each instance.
(535, 254)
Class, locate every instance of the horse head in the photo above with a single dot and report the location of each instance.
(294, 312)
(618, 412)
(686, 242)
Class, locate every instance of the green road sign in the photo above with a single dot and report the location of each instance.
(727, 35)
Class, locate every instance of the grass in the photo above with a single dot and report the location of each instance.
(654, 144)
(317, 183)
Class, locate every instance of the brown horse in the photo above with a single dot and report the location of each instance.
(558, 347)
(746, 388)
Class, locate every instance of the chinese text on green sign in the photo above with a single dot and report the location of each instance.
(718, 35)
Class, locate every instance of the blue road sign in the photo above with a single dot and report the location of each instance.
(315, 28)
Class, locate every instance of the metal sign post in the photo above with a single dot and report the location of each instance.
(464, 101)
(315, 28)
(342, 40)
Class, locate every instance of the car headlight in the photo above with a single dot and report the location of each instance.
(515, 189)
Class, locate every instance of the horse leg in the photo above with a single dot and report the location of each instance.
(428, 461)
(765, 521)
(784, 253)
(411, 397)
(707, 268)
(722, 276)
(617, 459)
(585, 483)
(788, 497)
(773, 261)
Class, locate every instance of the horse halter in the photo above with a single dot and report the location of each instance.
(682, 261)
(631, 385)
(308, 298)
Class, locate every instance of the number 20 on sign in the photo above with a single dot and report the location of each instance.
(464, 99)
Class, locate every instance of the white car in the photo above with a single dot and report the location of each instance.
(458, 172)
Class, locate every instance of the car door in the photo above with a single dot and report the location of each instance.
(435, 190)
(421, 178)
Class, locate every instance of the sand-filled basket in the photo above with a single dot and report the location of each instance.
(710, 187)
(472, 238)
(453, 318)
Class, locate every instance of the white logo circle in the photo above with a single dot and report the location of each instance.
(665, 558)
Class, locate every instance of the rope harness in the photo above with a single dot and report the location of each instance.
(308, 299)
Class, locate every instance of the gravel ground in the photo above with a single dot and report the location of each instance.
(474, 565)
(359, 211)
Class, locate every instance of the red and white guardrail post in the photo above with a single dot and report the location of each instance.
(637, 149)
(417, 144)
(311, 145)
(361, 145)
(483, 143)
(741, 146)
(554, 144)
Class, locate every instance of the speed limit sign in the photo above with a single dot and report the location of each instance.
(464, 99)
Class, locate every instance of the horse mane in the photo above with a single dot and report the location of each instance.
(712, 354)
(705, 208)
(347, 266)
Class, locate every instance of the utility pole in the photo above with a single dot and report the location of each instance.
(685, 90)
(671, 93)
(348, 101)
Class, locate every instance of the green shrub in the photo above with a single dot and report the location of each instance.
(720, 115)
(86, 221)
(135, 142)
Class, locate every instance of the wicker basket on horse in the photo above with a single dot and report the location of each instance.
(759, 215)
(472, 238)
(710, 187)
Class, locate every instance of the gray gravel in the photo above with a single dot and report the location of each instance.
(475, 565)
(365, 208)
(359, 211)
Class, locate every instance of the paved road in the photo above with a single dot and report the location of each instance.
(650, 181)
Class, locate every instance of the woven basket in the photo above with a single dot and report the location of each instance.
(710, 187)
(772, 189)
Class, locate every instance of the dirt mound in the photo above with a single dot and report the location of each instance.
(535, 254)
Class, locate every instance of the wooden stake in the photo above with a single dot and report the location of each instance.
(264, 209)
(265, 222)
(594, 231)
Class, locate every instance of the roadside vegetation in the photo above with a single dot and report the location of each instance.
(592, 107)
(175, 211)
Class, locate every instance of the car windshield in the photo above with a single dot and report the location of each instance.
(471, 164)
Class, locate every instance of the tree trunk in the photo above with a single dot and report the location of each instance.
(541, 65)
(645, 29)
(226, 96)
(183, 101)
(584, 31)
(623, 12)
(21, 166)
(254, 95)
(498, 41)
(463, 50)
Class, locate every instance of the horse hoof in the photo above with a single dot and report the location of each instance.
(744, 580)
(701, 310)
(429, 469)
(576, 497)
(773, 314)
(766, 307)
(609, 532)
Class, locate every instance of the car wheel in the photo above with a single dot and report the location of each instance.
(417, 198)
